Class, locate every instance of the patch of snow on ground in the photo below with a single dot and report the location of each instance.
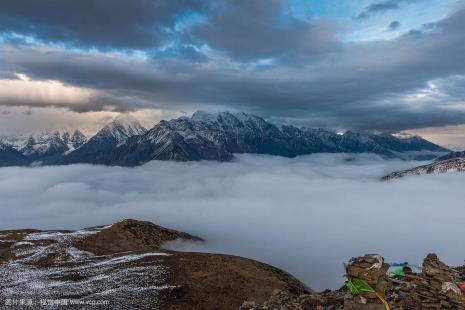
(77, 274)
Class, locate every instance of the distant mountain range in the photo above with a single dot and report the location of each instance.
(100, 146)
(45, 144)
(204, 136)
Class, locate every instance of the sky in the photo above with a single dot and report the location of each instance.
(306, 215)
(368, 65)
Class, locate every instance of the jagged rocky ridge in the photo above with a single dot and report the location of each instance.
(46, 145)
(104, 141)
(124, 266)
(456, 164)
(67, 146)
(449, 163)
(206, 136)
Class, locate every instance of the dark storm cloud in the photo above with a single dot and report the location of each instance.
(384, 85)
(382, 6)
(89, 23)
(250, 30)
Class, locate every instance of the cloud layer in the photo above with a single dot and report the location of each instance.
(306, 215)
(238, 55)
(102, 24)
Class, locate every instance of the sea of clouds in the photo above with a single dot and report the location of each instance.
(306, 215)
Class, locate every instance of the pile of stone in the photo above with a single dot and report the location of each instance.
(437, 287)
(371, 270)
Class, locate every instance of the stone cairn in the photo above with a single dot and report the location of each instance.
(437, 287)
(370, 286)
(368, 277)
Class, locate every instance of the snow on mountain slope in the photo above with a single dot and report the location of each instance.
(217, 136)
(100, 145)
(444, 166)
(120, 129)
(100, 267)
(46, 143)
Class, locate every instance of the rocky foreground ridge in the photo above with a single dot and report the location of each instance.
(124, 266)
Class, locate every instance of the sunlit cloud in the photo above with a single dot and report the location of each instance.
(27, 92)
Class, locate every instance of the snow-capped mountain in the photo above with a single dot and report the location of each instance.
(120, 129)
(444, 166)
(111, 135)
(207, 136)
(217, 136)
(47, 143)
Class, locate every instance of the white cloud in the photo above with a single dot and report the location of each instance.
(306, 215)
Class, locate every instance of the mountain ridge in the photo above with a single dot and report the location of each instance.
(111, 135)
(207, 136)
(445, 164)
(46, 144)
(218, 136)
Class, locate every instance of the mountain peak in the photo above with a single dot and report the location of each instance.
(125, 120)
(122, 127)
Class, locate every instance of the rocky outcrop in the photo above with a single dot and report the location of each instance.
(130, 235)
(371, 286)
